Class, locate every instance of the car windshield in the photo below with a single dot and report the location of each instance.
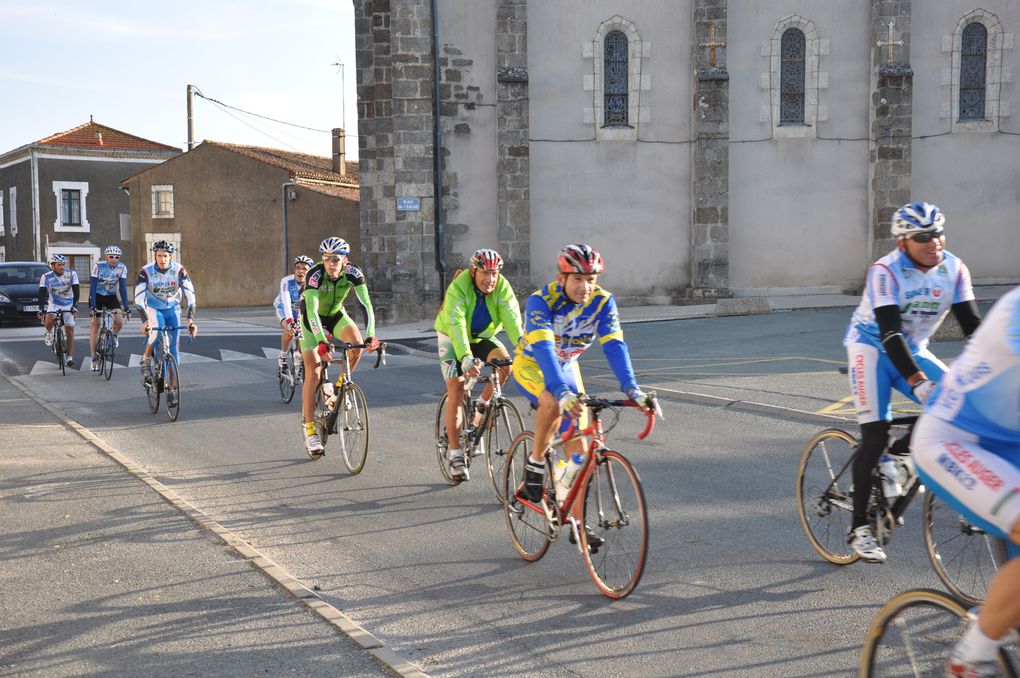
(21, 275)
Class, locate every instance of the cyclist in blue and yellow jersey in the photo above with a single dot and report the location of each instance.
(967, 450)
(61, 288)
(108, 277)
(908, 292)
(326, 286)
(159, 290)
(561, 321)
(478, 304)
(288, 304)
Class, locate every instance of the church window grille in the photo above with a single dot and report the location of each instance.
(791, 107)
(973, 58)
(616, 85)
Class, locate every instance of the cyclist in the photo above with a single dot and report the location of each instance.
(61, 286)
(478, 304)
(966, 448)
(322, 313)
(288, 304)
(561, 321)
(107, 278)
(907, 294)
(159, 290)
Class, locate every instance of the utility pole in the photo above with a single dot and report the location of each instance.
(191, 122)
(343, 107)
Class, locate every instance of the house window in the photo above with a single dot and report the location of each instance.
(72, 206)
(163, 202)
(1, 211)
(616, 88)
(973, 59)
(14, 210)
(791, 103)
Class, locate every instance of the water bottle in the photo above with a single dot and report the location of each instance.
(892, 476)
(558, 469)
(329, 395)
(570, 470)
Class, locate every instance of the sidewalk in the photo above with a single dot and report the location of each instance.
(101, 576)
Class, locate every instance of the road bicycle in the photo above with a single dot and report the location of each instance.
(501, 422)
(58, 342)
(105, 343)
(963, 556)
(292, 373)
(614, 538)
(340, 409)
(162, 375)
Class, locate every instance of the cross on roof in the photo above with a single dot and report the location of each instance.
(711, 44)
(889, 43)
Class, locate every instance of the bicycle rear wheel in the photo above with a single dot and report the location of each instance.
(529, 528)
(914, 634)
(616, 517)
(443, 439)
(286, 381)
(151, 385)
(107, 350)
(173, 393)
(504, 424)
(352, 425)
(825, 494)
(965, 558)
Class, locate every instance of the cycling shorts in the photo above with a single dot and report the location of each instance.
(977, 478)
(107, 301)
(165, 317)
(332, 323)
(68, 316)
(529, 379)
(873, 377)
(448, 363)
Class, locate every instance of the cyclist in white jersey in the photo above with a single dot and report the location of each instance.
(288, 304)
(58, 293)
(108, 277)
(966, 448)
(907, 294)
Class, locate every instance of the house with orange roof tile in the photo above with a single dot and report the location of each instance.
(239, 214)
(62, 194)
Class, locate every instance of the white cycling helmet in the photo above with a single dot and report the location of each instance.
(58, 259)
(112, 249)
(917, 217)
(334, 245)
(302, 259)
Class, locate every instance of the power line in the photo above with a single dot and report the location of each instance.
(264, 117)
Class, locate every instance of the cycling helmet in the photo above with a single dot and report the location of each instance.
(917, 217)
(487, 260)
(302, 259)
(579, 259)
(113, 249)
(334, 245)
(58, 259)
(168, 247)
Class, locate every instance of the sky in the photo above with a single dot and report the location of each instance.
(128, 65)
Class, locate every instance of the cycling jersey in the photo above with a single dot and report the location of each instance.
(923, 297)
(324, 298)
(106, 280)
(466, 322)
(288, 301)
(557, 331)
(60, 289)
(164, 289)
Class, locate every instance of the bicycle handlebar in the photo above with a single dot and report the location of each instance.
(602, 403)
(345, 346)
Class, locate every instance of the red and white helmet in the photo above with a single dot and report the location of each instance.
(487, 260)
(579, 259)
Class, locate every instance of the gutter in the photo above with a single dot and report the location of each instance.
(437, 157)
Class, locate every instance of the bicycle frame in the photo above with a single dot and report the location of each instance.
(497, 395)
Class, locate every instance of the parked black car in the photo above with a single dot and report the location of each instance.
(19, 289)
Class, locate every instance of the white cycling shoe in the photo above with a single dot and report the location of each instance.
(314, 446)
(864, 544)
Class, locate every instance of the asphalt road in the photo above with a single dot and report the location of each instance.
(731, 587)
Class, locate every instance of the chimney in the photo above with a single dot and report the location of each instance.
(339, 151)
(99, 136)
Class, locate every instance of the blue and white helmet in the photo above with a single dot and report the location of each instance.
(335, 245)
(113, 249)
(164, 245)
(58, 259)
(302, 259)
(917, 217)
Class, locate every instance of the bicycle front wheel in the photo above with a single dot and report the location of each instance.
(615, 536)
(443, 439)
(58, 349)
(352, 425)
(914, 634)
(965, 558)
(529, 528)
(151, 385)
(504, 424)
(286, 380)
(106, 356)
(825, 494)
(173, 393)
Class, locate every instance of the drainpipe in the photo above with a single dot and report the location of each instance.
(437, 157)
(286, 250)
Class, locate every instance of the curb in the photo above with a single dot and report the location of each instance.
(255, 558)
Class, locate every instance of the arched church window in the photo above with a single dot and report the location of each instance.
(791, 105)
(973, 58)
(616, 86)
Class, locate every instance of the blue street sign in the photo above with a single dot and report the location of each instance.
(408, 204)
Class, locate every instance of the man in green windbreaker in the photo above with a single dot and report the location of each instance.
(478, 304)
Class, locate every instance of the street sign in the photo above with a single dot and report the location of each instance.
(408, 204)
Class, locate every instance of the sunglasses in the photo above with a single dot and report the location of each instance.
(924, 238)
(114, 256)
(332, 259)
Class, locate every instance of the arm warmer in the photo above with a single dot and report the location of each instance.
(889, 328)
(967, 315)
(361, 291)
(93, 284)
(124, 294)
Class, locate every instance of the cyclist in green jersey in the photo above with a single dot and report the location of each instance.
(326, 286)
(478, 304)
